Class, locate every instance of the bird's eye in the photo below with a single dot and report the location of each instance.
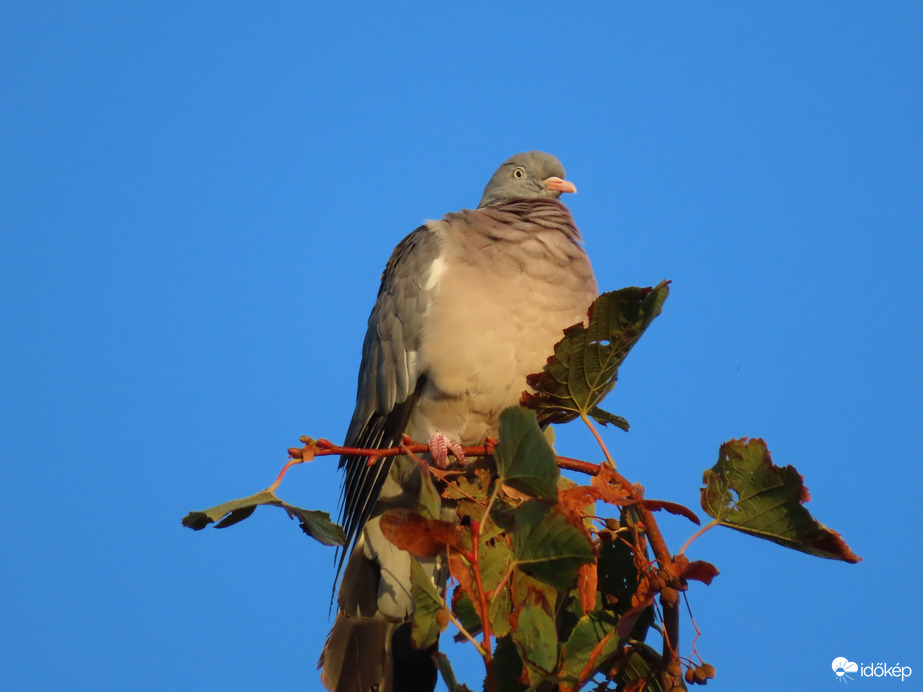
(519, 173)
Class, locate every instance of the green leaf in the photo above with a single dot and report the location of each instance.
(429, 503)
(467, 614)
(524, 586)
(499, 609)
(546, 545)
(534, 633)
(525, 460)
(584, 367)
(589, 632)
(495, 556)
(464, 487)
(428, 604)
(605, 418)
(315, 524)
(747, 492)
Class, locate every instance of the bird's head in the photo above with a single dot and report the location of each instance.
(532, 174)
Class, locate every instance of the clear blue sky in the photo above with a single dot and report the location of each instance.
(197, 202)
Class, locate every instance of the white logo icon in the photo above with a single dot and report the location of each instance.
(841, 666)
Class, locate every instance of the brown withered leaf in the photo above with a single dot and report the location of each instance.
(514, 494)
(628, 620)
(672, 508)
(576, 500)
(699, 570)
(609, 490)
(587, 582)
(460, 569)
(411, 531)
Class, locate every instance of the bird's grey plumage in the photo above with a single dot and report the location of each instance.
(523, 176)
(468, 306)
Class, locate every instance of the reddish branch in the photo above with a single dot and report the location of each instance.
(664, 559)
(483, 605)
(658, 546)
(635, 495)
(322, 448)
(586, 467)
(319, 448)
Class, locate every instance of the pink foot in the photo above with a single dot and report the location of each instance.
(439, 448)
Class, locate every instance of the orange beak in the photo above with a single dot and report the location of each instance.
(560, 185)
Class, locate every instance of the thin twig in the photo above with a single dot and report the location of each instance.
(698, 632)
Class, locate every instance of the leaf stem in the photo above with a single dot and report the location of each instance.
(465, 633)
(598, 437)
(291, 462)
(709, 525)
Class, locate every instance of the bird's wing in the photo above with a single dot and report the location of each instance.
(391, 373)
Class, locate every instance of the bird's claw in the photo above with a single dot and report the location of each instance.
(439, 448)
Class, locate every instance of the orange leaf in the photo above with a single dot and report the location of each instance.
(514, 494)
(461, 571)
(700, 571)
(573, 501)
(411, 531)
(587, 583)
(630, 617)
(672, 508)
(606, 484)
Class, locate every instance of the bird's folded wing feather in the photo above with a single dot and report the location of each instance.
(391, 374)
